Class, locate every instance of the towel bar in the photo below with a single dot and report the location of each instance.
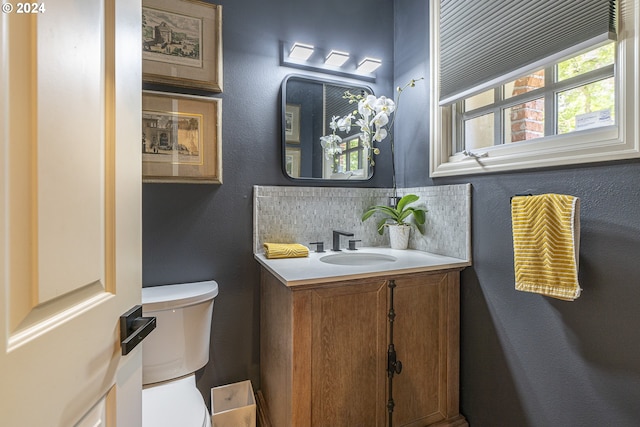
(519, 195)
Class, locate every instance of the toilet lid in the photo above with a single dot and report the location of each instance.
(175, 403)
(175, 296)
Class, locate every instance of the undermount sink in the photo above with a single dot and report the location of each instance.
(357, 258)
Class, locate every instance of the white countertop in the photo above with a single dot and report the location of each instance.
(310, 270)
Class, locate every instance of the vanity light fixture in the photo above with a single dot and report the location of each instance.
(337, 58)
(369, 65)
(301, 51)
(330, 61)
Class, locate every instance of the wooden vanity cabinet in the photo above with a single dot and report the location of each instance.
(323, 351)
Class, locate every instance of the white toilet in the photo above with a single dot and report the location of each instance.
(172, 353)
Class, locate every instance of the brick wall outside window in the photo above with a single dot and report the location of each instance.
(527, 119)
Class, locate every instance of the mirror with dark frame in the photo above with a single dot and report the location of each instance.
(308, 106)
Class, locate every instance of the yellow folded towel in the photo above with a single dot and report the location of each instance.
(546, 239)
(285, 250)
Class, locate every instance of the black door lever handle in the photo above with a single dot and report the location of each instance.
(134, 328)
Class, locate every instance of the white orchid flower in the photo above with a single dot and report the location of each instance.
(372, 116)
(363, 125)
(334, 123)
(380, 119)
(364, 111)
(366, 106)
(366, 140)
(381, 133)
(344, 124)
(366, 131)
(330, 141)
(330, 144)
(384, 104)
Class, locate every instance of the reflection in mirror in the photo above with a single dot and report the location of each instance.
(308, 106)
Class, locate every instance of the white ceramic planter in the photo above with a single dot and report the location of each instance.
(399, 236)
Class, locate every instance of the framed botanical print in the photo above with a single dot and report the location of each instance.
(181, 138)
(182, 43)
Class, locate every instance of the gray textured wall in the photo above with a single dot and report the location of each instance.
(196, 232)
(529, 360)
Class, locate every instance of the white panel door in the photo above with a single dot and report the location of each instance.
(70, 213)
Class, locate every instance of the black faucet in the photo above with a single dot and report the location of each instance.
(352, 245)
(319, 246)
(336, 238)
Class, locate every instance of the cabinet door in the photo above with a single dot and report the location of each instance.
(426, 332)
(349, 355)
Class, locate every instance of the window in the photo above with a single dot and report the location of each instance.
(569, 110)
(574, 94)
(352, 157)
(352, 162)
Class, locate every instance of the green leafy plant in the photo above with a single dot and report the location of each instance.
(400, 214)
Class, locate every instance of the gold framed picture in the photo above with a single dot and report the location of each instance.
(181, 138)
(292, 162)
(292, 123)
(182, 43)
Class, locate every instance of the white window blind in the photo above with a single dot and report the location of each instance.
(485, 43)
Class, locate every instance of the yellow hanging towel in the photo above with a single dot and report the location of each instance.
(285, 250)
(546, 239)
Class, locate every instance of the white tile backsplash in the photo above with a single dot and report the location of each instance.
(283, 214)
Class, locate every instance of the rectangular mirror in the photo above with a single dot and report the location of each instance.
(308, 107)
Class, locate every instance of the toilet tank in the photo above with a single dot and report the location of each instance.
(180, 343)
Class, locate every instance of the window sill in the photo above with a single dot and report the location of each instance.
(596, 145)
